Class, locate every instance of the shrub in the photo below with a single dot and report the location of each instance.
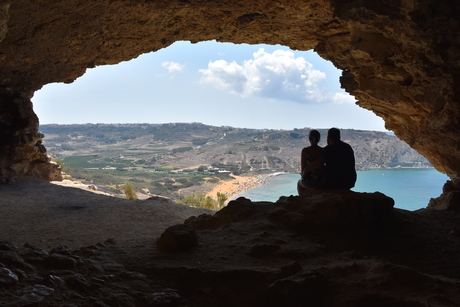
(200, 200)
(221, 199)
(182, 149)
(130, 192)
(202, 168)
(199, 141)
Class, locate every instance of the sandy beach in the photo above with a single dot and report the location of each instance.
(239, 184)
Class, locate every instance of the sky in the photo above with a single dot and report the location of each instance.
(218, 84)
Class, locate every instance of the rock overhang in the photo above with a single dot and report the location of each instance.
(399, 59)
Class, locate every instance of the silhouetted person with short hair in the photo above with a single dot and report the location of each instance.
(338, 159)
(340, 162)
(314, 177)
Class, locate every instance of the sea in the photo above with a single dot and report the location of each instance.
(411, 188)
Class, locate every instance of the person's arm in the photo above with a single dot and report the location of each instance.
(313, 165)
(303, 161)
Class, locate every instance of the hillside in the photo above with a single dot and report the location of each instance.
(168, 157)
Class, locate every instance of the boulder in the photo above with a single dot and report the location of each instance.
(177, 238)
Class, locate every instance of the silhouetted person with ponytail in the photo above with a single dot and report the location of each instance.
(314, 177)
(338, 159)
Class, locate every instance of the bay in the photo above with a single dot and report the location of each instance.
(411, 188)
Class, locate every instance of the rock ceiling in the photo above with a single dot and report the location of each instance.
(400, 58)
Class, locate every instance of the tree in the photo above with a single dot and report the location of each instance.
(202, 168)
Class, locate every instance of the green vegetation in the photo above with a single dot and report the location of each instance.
(221, 199)
(167, 168)
(200, 200)
(161, 182)
(199, 141)
(87, 161)
(129, 190)
(182, 149)
(203, 201)
(167, 159)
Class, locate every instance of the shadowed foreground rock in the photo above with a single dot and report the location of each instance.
(178, 238)
(328, 249)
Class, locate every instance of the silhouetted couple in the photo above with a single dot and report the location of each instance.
(330, 167)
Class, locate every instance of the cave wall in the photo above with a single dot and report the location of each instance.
(400, 58)
(21, 150)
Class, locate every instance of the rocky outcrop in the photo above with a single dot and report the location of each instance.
(31, 276)
(177, 238)
(400, 59)
(319, 210)
(449, 199)
(21, 150)
(329, 249)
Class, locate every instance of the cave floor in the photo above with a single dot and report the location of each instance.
(412, 261)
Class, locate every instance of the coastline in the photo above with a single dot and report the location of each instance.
(233, 187)
(240, 184)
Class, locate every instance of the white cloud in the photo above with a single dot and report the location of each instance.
(341, 98)
(173, 67)
(278, 75)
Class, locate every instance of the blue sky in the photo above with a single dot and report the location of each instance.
(219, 84)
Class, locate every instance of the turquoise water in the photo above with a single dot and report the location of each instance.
(410, 188)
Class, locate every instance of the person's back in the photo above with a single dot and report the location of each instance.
(340, 162)
(309, 155)
(312, 168)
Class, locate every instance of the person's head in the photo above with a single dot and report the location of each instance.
(333, 135)
(314, 136)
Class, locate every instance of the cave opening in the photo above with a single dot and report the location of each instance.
(218, 84)
(400, 60)
(248, 86)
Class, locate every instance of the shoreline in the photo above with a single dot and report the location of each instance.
(240, 184)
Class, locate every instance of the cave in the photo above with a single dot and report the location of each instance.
(400, 59)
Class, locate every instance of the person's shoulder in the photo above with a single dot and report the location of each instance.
(327, 149)
(346, 144)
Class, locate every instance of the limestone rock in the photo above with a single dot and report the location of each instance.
(77, 282)
(305, 289)
(33, 295)
(61, 261)
(165, 297)
(450, 198)
(400, 59)
(327, 249)
(323, 209)
(177, 238)
(7, 277)
(234, 211)
(21, 149)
